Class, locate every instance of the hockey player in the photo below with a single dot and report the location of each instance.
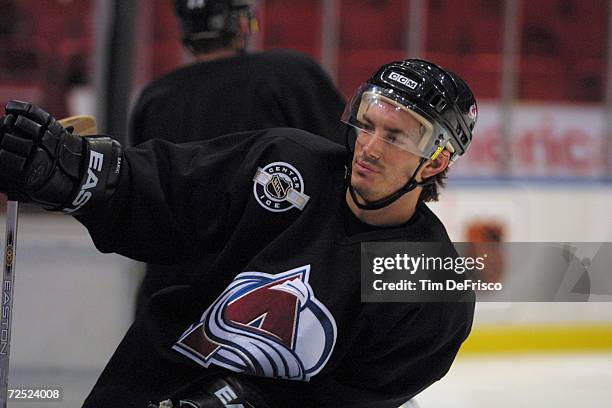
(226, 91)
(276, 224)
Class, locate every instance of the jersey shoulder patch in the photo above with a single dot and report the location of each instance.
(279, 187)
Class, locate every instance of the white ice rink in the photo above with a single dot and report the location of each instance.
(528, 381)
(524, 381)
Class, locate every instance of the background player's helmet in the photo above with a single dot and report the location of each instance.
(438, 99)
(211, 24)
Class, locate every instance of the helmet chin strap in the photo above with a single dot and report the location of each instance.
(390, 199)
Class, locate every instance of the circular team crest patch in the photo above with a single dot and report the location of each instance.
(279, 187)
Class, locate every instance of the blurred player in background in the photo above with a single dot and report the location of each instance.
(276, 219)
(228, 90)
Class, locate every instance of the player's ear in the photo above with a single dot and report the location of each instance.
(433, 167)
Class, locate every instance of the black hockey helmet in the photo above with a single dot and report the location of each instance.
(210, 24)
(437, 98)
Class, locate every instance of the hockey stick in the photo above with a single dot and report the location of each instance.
(82, 125)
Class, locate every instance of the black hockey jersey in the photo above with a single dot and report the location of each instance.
(278, 296)
(214, 98)
(245, 92)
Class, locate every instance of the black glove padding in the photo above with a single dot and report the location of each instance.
(222, 393)
(43, 163)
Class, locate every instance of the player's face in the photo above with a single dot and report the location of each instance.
(380, 168)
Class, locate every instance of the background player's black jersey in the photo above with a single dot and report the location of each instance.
(261, 215)
(245, 92)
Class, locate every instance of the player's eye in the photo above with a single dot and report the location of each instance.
(390, 137)
(368, 127)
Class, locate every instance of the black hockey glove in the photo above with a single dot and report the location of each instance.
(43, 163)
(226, 392)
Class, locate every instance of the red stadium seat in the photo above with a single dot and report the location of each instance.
(542, 79)
(294, 24)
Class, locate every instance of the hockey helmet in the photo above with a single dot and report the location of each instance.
(439, 100)
(211, 24)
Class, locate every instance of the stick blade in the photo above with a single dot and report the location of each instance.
(83, 125)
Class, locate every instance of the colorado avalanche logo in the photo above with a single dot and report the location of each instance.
(264, 325)
(279, 187)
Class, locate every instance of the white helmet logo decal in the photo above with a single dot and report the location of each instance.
(399, 78)
(473, 112)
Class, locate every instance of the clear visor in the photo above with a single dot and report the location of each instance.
(396, 122)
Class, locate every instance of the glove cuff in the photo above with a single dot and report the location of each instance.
(100, 175)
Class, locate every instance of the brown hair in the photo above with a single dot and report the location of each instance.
(430, 191)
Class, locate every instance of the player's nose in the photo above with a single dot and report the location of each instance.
(373, 146)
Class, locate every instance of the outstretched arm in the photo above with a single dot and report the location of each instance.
(159, 202)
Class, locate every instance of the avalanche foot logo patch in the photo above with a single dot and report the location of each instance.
(264, 325)
(279, 187)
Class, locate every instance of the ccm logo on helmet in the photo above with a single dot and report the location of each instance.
(95, 163)
(397, 77)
